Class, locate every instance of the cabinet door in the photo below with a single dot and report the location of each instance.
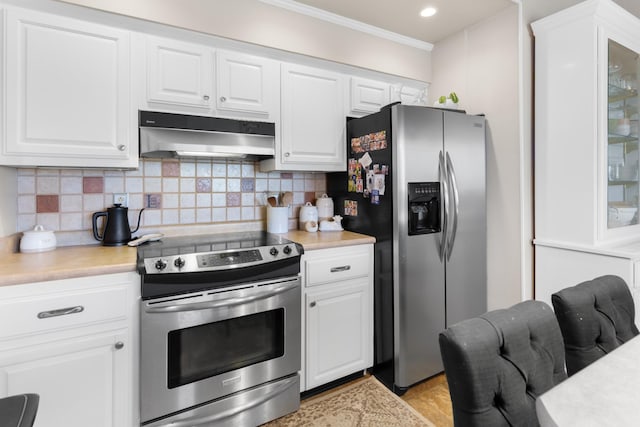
(313, 120)
(338, 331)
(68, 93)
(368, 96)
(247, 84)
(81, 381)
(410, 95)
(623, 141)
(179, 73)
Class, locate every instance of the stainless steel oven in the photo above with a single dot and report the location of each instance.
(219, 330)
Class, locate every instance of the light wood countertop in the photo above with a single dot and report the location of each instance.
(65, 263)
(327, 239)
(79, 261)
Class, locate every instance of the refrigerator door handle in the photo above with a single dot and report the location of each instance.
(456, 204)
(445, 198)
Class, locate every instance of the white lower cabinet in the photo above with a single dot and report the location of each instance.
(338, 313)
(73, 343)
(81, 381)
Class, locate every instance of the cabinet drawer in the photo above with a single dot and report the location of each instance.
(45, 313)
(337, 267)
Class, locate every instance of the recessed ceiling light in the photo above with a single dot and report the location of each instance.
(428, 11)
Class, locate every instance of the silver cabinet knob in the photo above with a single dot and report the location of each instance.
(119, 345)
(122, 147)
(205, 97)
(223, 99)
(287, 154)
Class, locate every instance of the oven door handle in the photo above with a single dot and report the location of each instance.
(227, 302)
(209, 419)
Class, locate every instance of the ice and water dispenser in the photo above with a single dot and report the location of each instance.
(424, 207)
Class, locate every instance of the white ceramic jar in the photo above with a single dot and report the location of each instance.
(308, 213)
(38, 240)
(325, 207)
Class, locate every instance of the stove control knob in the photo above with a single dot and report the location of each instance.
(273, 251)
(179, 262)
(287, 250)
(161, 264)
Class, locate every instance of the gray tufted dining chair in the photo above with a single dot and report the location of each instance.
(595, 317)
(498, 363)
(19, 410)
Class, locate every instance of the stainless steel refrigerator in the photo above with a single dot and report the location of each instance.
(416, 181)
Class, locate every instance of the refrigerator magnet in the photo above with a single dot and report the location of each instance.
(378, 183)
(352, 184)
(375, 197)
(365, 160)
(350, 208)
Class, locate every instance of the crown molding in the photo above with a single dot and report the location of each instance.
(323, 15)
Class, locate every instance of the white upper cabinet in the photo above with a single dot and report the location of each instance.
(68, 93)
(367, 96)
(197, 79)
(410, 95)
(313, 121)
(247, 85)
(179, 73)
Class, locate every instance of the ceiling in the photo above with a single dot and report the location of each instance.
(403, 16)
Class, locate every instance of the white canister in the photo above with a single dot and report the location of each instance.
(38, 240)
(277, 219)
(308, 213)
(325, 207)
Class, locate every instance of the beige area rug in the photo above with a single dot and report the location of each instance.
(366, 403)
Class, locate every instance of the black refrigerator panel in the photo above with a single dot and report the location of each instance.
(363, 196)
(358, 199)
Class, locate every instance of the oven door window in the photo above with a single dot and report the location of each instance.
(211, 349)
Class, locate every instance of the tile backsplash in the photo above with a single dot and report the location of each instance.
(173, 193)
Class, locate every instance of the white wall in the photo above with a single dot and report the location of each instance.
(8, 200)
(481, 65)
(262, 24)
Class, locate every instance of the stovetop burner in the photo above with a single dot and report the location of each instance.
(197, 253)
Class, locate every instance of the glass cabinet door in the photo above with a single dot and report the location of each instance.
(623, 189)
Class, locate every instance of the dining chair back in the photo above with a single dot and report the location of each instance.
(595, 317)
(498, 363)
(19, 410)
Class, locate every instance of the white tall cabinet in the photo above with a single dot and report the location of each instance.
(587, 189)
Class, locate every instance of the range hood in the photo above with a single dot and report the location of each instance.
(165, 135)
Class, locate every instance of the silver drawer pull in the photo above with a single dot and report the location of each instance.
(341, 268)
(60, 312)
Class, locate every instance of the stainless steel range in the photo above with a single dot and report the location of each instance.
(219, 329)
